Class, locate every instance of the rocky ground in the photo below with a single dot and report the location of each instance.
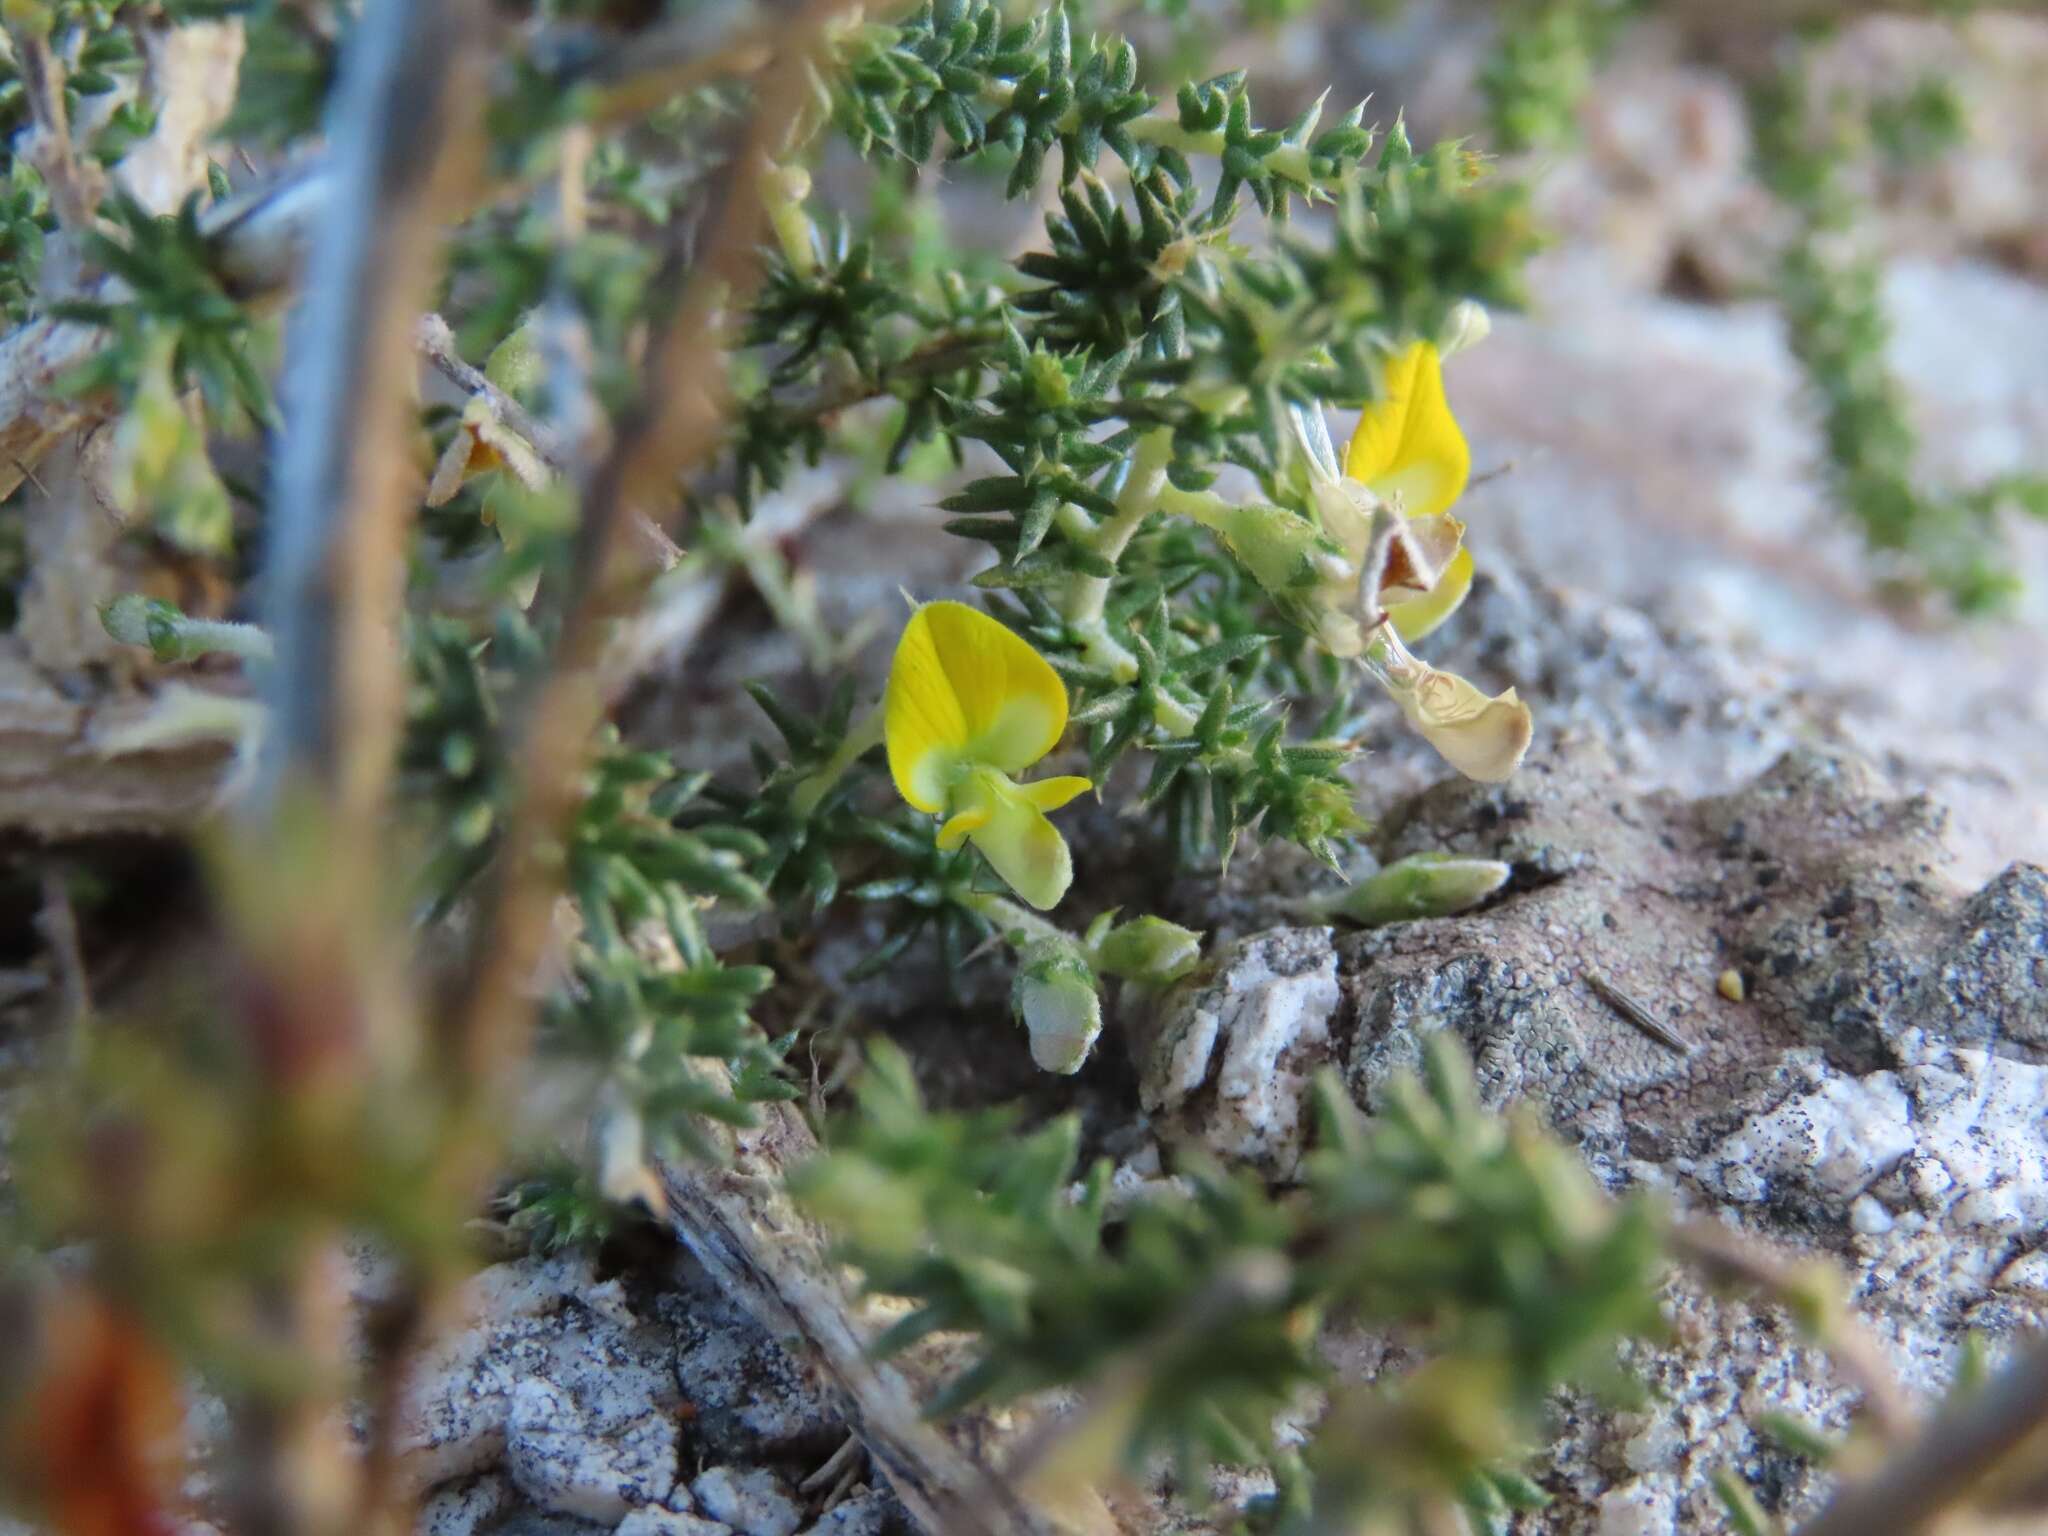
(1745, 765)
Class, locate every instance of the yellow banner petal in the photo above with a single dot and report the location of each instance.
(963, 689)
(1408, 444)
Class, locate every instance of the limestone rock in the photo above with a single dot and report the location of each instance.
(653, 1521)
(749, 1399)
(1233, 1055)
(751, 1501)
(577, 1458)
(463, 1509)
(867, 1514)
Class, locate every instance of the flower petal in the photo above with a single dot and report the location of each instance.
(1051, 794)
(1408, 444)
(1483, 738)
(963, 688)
(1018, 842)
(957, 828)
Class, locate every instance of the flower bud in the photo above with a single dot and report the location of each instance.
(1054, 994)
(1148, 950)
(1422, 885)
(1467, 326)
(134, 619)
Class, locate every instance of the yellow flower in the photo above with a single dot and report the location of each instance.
(1408, 448)
(969, 706)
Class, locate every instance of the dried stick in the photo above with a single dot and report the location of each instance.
(675, 429)
(405, 121)
(436, 343)
(339, 514)
(740, 1222)
(72, 198)
(1934, 1472)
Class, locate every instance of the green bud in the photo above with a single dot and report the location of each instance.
(134, 619)
(1422, 885)
(171, 635)
(1147, 950)
(1054, 994)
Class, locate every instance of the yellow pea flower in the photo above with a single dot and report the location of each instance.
(1408, 446)
(969, 706)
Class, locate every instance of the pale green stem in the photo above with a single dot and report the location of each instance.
(866, 733)
(1086, 596)
(137, 620)
(1204, 507)
(247, 641)
(1015, 922)
(1390, 663)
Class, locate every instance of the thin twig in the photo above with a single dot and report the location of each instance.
(405, 124)
(42, 80)
(339, 513)
(436, 342)
(1940, 1468)
(59, 923)
(738, 1218)
(846, 1456)
(674, 430)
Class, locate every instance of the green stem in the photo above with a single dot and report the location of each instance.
(244, 640)
(1087, 596)
(865, 734)
(1013, 921)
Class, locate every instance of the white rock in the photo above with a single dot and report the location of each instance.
(1657, 1445)
(1837, 1139)
(867, 1515)
(2027, 1273)
(753, 1501)
(1869, 1215)
(1644, 1507)
(592, 1387)
(1252, 1035)
(464, 1508)
(655, 1521)
(564, 1462)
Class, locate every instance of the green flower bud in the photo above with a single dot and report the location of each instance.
(1147, 950)
(1422, 885)
(134, 619)
(1054, 994)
